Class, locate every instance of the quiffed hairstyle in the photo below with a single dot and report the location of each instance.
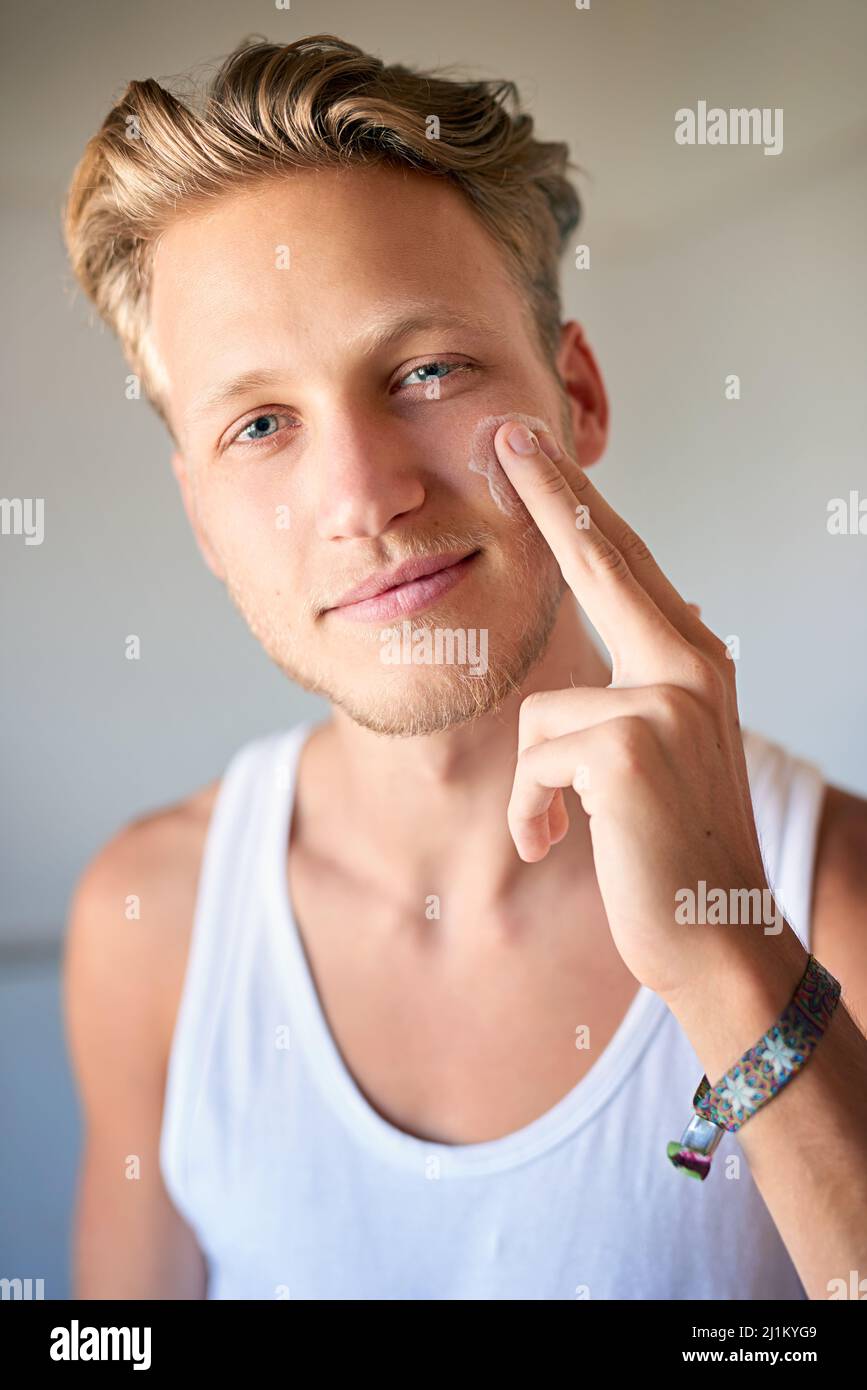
(319, 102)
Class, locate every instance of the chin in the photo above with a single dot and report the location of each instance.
(406, 700)
(420, 704)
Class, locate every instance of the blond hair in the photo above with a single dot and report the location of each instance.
(315, 103)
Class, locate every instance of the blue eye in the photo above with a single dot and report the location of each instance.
(429, 370)
(255, 426)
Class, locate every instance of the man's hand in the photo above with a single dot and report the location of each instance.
(656, 757)
(658, 762)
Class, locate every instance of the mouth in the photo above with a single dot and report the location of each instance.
(409, 589)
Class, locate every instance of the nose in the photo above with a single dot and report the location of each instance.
(364, 475)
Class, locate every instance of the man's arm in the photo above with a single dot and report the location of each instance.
(658, 763)
(121, 986)
(807, 1149)
(839, 930)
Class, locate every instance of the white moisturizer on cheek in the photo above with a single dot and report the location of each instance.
(483, 459)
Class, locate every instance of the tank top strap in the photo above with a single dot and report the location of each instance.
(788, 794)
(231, 881)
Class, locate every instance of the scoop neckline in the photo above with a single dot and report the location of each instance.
(574, 1110)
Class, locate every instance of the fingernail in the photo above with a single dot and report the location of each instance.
(550, 445)
(522, 441)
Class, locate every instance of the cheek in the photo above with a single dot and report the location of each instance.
(251, 527)
(483, 459)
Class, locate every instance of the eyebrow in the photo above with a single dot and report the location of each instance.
(372, 338)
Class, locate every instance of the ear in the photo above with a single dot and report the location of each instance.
(181, 472)
(585, 389)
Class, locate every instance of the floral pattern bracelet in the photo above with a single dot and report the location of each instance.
(760, 1074)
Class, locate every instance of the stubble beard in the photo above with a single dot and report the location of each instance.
(440, 696)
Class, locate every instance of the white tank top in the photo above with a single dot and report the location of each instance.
(295, 1187)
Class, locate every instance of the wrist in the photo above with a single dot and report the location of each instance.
(737, 996)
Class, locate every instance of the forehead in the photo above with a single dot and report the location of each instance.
(299, 262)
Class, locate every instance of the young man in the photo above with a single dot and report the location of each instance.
(411, 1010)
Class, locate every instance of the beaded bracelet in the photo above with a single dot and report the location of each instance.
(760, 1074)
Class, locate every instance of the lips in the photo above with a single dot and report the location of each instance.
(403, 574)
(410, 587)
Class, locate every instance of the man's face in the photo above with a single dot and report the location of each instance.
(384, 319)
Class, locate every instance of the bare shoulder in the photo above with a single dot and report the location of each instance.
(131, 916)
(839, 929)
(124, 962)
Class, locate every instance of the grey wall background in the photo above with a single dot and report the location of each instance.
(705, 261)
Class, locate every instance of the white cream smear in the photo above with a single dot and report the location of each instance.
(483, 459)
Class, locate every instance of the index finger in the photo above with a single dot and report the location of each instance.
(622, 611)
(685, 617)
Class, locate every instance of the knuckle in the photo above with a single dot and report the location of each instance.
(725, 668)
(605, 558)
(727, 662)
(631, 545)
(719, 651)
(703, 676)
(528, 768)
(551, 481)
(672, 702)
(532, 703)
(521, 769)
(530, 710)
(630, 739)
